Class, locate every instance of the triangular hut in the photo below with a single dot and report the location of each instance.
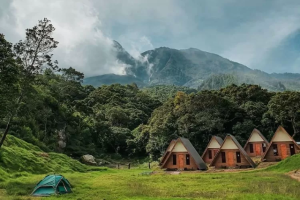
(181, 155)
(281, 146)
(257, 144)
(212, 149)
(232, 155)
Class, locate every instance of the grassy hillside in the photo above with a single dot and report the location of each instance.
(287, 165)
(18, 156)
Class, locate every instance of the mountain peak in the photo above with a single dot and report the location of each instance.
(117, 45)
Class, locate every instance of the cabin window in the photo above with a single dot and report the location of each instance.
(209, 154)
(292, 149)
(238, 157)
(251, 148)
(174, 159)
(187, 159)
(223, 157)
(264, 146)
(275, 150)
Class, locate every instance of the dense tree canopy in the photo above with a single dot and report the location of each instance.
(57, 113)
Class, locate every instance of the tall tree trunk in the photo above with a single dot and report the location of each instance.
(294, 127)
(10, 119)
(5, 132)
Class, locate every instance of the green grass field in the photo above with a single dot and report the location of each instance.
(22, 166)
(116, 184)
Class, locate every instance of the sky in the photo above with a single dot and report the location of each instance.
(262, 35)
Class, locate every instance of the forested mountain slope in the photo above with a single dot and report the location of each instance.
(192, 68)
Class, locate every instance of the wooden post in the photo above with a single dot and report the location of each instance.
(118, 166)
(149, 165)
(129, 166)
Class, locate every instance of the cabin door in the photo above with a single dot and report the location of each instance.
(257, 149)
(181, 161)
(284, 152)
(230, 159)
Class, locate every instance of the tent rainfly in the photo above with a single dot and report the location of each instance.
(232, 155)
(257, 144)
(52, 184)
(281, 146)
(181, 155)
(212, 149)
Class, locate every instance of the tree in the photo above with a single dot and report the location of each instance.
(285, 107)
(70, 74)
(8, 81)
(33, 55)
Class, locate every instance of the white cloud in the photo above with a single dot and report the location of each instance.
(82, 43)
(253, 41)
(245, 32)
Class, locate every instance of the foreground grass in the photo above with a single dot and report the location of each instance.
(129, 184)
(20, 160)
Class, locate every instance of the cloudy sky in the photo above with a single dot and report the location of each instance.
(263, 35)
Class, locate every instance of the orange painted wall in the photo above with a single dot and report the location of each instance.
(247, 149)
(218, 162)
(169, 163)
(270, 157)
(206, 157)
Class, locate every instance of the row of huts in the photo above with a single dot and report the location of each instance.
(228, 153)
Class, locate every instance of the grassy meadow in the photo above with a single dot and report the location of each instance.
(114, 184)
(23, 165)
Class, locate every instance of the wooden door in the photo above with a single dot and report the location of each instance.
(257, 150)
(230, 159)
(181, 161)
(284, 152)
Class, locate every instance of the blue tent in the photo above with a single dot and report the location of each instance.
(52, 184)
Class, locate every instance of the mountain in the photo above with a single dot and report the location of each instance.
(190, 68)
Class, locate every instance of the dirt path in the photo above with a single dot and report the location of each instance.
(295, 174)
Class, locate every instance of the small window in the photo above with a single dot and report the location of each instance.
(264, 146)
(174, 159)
(251, 148)
(292, 149)
(275, 150)
(209, 154)
(223, 157)
(187, 159)
(238, 157)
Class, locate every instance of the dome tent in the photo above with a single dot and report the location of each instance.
(52, 184)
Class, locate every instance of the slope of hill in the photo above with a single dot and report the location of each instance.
(287, 165)
(218, 81)
(19, 156)
(189, 67)
(108, 79)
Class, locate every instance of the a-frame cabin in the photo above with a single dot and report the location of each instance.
(181, 155)
(281, 146)
(168, 151)
(212, 149)
(232, 155)
(257, 144)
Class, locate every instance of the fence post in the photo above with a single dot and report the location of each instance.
(118, 166)
(149, 165)
(129, 166)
